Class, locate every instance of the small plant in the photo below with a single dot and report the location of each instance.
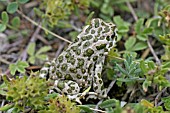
(130, 71)
(61, 104)
(18, 66)
(11, 8)
(36, 55)
(26, 92)
(58, 10)
(145, 72)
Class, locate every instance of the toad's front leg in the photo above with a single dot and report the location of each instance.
(98, 82)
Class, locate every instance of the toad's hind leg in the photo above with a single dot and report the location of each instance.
(68, 87)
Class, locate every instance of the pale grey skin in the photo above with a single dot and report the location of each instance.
(80, 65)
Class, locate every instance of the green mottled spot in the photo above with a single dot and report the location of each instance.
(43, 71)
(58, 65)
(110, 44)
(60, 85)
(106, 29)
(88, 52)
(92, 31)
(100, 81)
(88, 29)
(101, 54)
(102, 46)
(76, 40)
(108, 38)
(95, 58)
(113, 35)
(68, 55)
(99, 75)
(74, 48)
(95, 39)
(69, 91)
(90, 66)
(72, 88)
(58, 74)
(80, 62)
(78, 51)
(102, 38)
(89, 37)
(84, 38)
(60, 59)
(64, 67)
(102, 23)
(47, 65)
(72, 61)
(95, 88)
(83, 70)
(105, 50)
(85, 77)
(53, 64)
(53, 70)
(99, 30)
(86, 44)
(78, 76)
(70, 58)
(96, 23)
(73, 70)
(68, 77)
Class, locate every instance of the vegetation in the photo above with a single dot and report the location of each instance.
(137, 69)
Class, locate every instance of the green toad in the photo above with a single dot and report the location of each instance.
(80, 65)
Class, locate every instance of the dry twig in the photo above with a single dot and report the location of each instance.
(43, 28)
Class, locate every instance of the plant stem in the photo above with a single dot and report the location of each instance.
(43, 28)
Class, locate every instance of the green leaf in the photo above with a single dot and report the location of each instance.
(15, 22)
(166, 65)
(5, 17)
(6, 107)
(166, 101)
(3, 88)
(147, 30)
(19, 66)
(21, 69)
(2, 27)
(43, 49)
(141, 37)
(139, 46)
(12, 7)
(31, 59)
(143, 66)
(122, 26)
(12, 68)
(2, 92)
(118, 20)
(139, 25)
(151, 65)
(90, 16)
(108, 103)
(121, 69)
(145, 85)
(41, 56)
(123, 29)
(23, 64)
(167, 105)
(130, 43)
(31, 49)
(86, 108)
(22, 1)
